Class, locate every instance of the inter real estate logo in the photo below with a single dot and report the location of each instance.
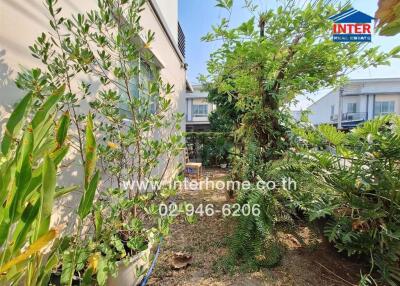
(352, 26)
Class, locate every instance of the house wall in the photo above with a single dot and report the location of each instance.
(352, 99)
(170, 14)
(23, 20)
(321, 110)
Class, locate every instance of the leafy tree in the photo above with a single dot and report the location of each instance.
(226, 117)
(131, 101)
(265, 62)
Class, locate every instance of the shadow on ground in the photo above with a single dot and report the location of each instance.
(308, 259)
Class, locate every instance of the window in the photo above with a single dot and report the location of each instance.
(139, 86)
(384, 107)
(351, 107)
(332, 110)
(200, 110)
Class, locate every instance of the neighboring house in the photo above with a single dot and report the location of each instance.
(357, 101)
(197, 109)
(296, 114)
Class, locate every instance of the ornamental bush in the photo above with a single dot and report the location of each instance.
(353, 180)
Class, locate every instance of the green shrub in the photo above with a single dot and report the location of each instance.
(214, 148)
(357, 179)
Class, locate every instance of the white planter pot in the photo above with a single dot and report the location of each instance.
(131, 274)
(223, 166)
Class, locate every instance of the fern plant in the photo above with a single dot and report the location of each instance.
(359, 172)
(254, 244)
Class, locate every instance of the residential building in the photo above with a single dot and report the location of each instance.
(357, 101)
(197, 109)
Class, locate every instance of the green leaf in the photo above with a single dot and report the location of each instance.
(332, 134)
(62, 129)
(24, 150)
(44, 112)
(50, 265)
(395, 51)
(64, 191)
(25, 224)
(14, 123)
(87, 199)
(98, 222)
(59, 155)
(68, 267)
(42, 137)
(391, 29)
(24, 167)
(90, 150)
(87, 279)
(102, 273)
(226, 4)
(47, 192)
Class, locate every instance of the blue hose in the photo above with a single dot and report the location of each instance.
(153, 264)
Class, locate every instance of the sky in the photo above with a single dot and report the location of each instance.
(197, 16)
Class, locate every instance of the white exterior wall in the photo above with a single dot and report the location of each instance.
(352, 99)
(321, 110)
(22, 21)
(361, 92)
(170, 14)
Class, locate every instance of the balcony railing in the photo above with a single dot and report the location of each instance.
(354, 116)
(181, 40)
(351, 116)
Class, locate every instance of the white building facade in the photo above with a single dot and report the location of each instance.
(357, 101)
(197, 109)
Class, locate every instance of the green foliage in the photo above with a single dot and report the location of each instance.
(247, 166)
(263, 63)
(253, 244)
(226, 117)
(214, 148)
(33, 146)
(140, 137)
(358, 177)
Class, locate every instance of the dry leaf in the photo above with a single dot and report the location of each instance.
(181, 260)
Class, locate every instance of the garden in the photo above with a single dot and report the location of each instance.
(339, 223)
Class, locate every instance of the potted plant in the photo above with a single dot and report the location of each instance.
(127, 233)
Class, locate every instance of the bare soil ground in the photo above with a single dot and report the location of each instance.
(308, 258)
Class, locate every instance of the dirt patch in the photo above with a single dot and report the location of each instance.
(308, 259)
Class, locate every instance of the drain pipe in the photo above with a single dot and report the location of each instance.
(341, 91)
